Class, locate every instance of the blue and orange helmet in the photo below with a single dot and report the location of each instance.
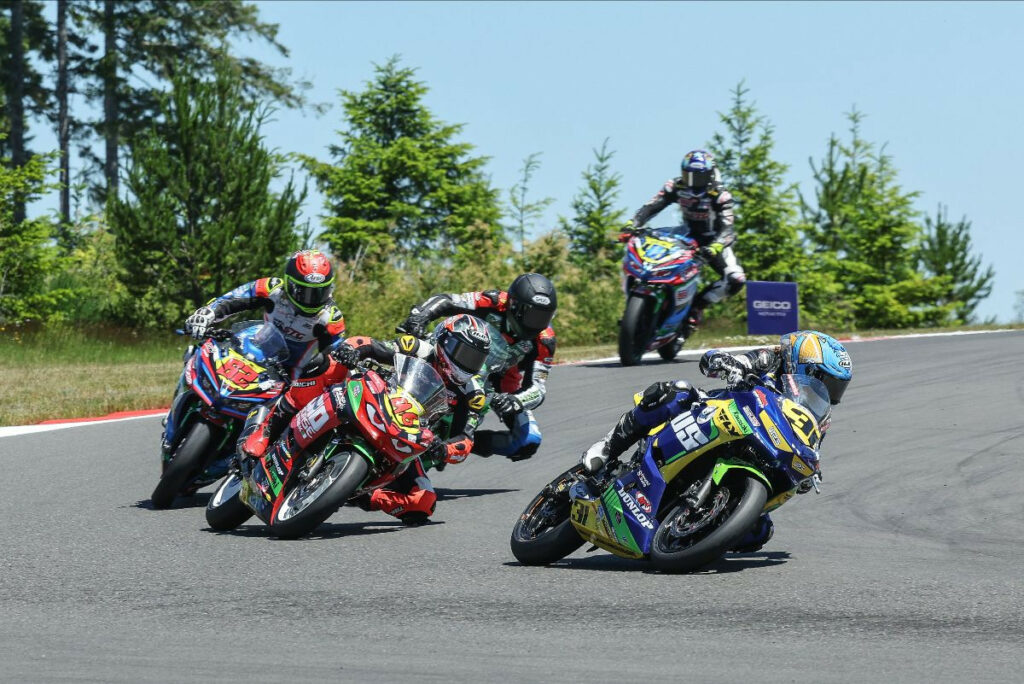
(698, 170)
(817, 355)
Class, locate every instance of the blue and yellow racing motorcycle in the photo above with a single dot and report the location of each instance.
(660, 279)
(694, 487)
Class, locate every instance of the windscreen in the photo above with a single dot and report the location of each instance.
(500, 357)
(264, 344)
(809, 393)
(420, 381)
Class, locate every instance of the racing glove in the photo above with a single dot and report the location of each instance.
(596, 456)
(506, 406)
(415, 324)
(709, 252)
(199, 322)
(435, 456)
(346, 356)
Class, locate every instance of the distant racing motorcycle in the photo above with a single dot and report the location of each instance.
(694, 487)
(660, 279)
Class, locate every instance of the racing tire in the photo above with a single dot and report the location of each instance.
(310, 503)
(669, 351)
(555, 537)
(186, 462)
(225, 510)
(672, 553)
(634, 331)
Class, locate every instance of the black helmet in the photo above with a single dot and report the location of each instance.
(698, 171)
(461, 345)
(531, 305)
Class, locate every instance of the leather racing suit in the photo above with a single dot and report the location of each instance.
(525, 379)
(708, 218)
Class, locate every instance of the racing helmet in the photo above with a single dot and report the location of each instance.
(531, 305)
(698, 171)
(461, 345)
(308, 280)
(817, 355)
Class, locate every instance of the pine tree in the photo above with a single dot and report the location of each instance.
(523, 213)
(864, 235)
(199, 217)
(593, 228)
(946, 251)
(399, 182)
(768, 243)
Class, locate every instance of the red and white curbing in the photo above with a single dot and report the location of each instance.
(49, 425)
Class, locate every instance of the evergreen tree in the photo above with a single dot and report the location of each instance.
(145, 44)
(593, 228)
(25, 255)
(399, 181)
(864, 236)
(946, 251)
(523, 212)
(199, 217)
(768, 242)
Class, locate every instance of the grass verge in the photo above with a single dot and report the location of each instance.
(72, 373)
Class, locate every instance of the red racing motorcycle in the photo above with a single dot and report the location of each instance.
(356, 437)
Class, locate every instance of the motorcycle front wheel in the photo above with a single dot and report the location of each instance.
(543, 533)
(186, 462)
(225, 510)
(314, 501)
(688, 538)
(635, 330)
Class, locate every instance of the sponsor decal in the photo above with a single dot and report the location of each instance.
(407, 343)
(706, 414)
(762, 399)
(688, 432)
(401, 447)
(315, 277)
(541, 299)
(643, 501)
(643, 478)
(303, 383)
(768, 304)
(801, 467)
(477, 401)
(312, 418)
(750, 416)
(634, 508)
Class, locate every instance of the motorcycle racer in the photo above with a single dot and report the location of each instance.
(299, 305)
(707, 209)
(523, 314)
(809, 352)
(457, 350)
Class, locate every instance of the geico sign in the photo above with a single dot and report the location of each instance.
(768, 304)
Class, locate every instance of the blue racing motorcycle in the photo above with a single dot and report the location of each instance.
(661, 273)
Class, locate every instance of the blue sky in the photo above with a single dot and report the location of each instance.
(940, 83)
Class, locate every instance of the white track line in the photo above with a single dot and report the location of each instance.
(15, 430)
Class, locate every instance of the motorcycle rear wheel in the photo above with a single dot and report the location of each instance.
(225, 510)
(311, 503)
(186, 462)
(687, 540)
(634, 331)
(543, 533)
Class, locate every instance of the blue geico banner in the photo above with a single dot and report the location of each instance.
(771, 308)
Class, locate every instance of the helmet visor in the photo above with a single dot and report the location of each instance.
(835, 386)
(534, 320)
(308, 296)
(463, 356)
(696, 179)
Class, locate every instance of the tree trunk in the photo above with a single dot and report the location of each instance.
(63, 125)
(110, 123)
(16, 96)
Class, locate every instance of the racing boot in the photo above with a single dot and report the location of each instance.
(410, 498)
(756, 537)
(692, 322)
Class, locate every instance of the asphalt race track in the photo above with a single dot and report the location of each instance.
(909, 566)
